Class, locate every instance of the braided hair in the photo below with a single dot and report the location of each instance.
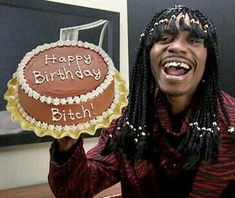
(203, 138)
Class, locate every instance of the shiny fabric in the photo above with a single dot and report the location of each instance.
(84, 175)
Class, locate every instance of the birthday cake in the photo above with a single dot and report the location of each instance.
(66, 88)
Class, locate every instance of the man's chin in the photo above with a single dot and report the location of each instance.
(173, 93)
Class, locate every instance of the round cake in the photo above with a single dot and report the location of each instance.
(67, 88)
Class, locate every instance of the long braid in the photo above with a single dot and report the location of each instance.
(209, 106)
(204, 142)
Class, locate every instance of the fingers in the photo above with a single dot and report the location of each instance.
(66, 143)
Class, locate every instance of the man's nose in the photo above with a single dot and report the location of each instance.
(178, 46)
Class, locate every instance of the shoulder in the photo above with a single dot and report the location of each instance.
(228, 100)
(229, 104)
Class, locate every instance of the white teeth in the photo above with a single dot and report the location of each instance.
(177, 64)
(185, 66)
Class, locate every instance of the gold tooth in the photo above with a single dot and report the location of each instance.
(184, 65)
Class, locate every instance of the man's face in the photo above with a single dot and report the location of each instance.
(178, 62)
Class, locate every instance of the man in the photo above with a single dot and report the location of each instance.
(175, 138)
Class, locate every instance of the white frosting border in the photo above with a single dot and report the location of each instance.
(69, 100)
(68, 128)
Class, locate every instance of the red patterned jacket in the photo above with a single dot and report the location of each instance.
(84, 175)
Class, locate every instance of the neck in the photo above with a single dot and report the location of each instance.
(179, 103)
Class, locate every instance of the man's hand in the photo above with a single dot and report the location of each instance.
(65, 144)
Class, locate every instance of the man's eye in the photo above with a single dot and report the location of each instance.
(165, 39)
(196, 40)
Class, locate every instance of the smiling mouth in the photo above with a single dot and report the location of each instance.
(176, 68)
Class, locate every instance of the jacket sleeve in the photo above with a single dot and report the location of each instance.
(84, 175)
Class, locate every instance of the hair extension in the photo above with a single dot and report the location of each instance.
(203, 139)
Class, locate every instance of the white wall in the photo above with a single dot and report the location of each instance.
(28, 164)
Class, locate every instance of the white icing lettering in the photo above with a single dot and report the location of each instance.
(39, 79)
(92, 108)
(86, 112)
(61, 74)
(63, 115)
(78, 58)
(71, 115)
(53, 59)
(62, 59)
(46, 76)
(78, 115)
(70, 59)
(79, 73)
(67, 73)
(52, 76)
(87, 59)
(56, 115)
(87, 73)
(97, 74)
